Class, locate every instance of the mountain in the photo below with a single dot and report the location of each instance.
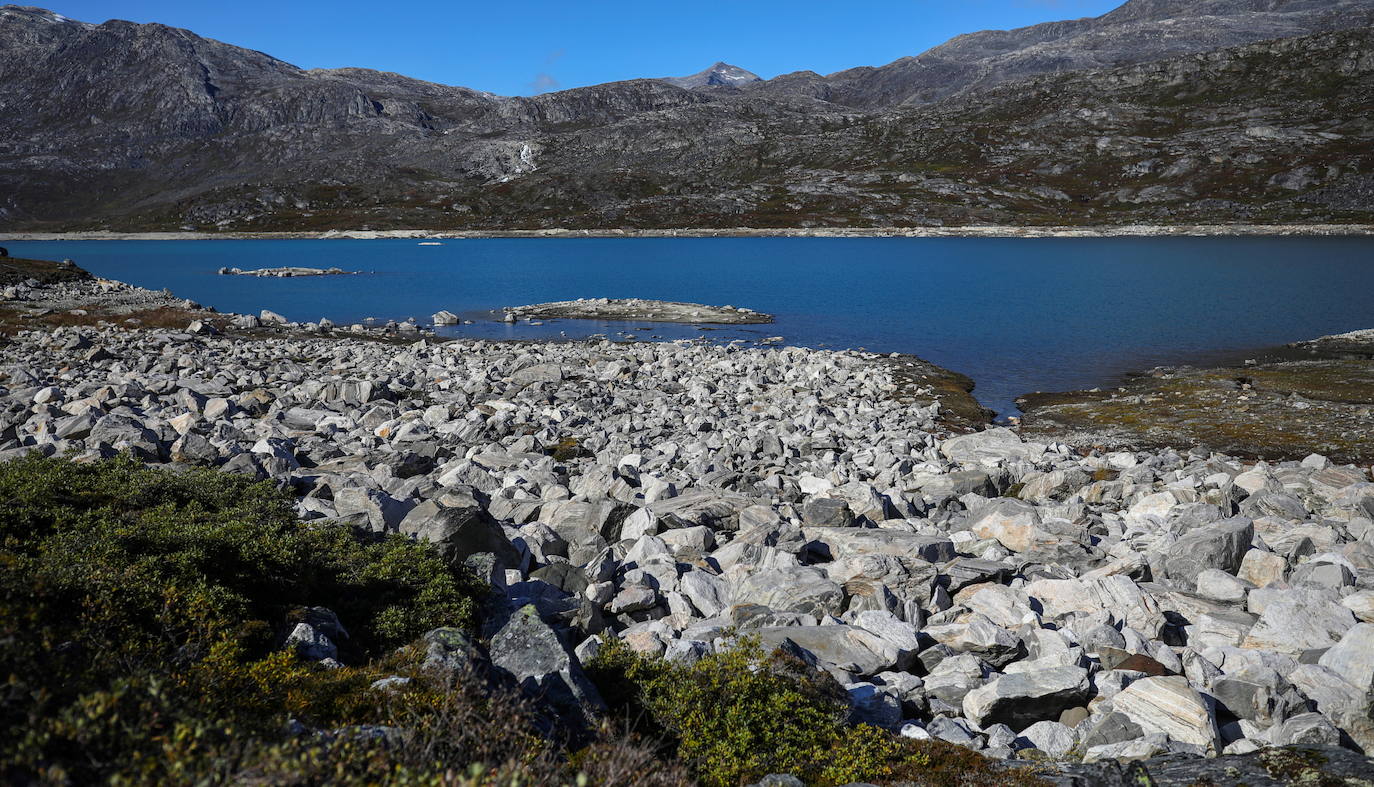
(718, 75)
(129, 126)
(1137, 32)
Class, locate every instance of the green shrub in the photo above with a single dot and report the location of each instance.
(139, 605)
(141, 613)
(743, 713)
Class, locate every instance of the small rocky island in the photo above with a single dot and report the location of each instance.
(637, 310)
(284, 272)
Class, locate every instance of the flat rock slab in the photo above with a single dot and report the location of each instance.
(1357, 344)
(638, 310)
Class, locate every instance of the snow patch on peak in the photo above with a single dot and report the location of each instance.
(719, 74)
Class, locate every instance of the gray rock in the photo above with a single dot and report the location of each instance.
(1306, 729)
(1294, 625)
(310, 643)
(1352, 657)
(708, 593)
(1112, 728)
(382, 512)
(1022, 699)
(1050, 737)
(1221, 546)
(450, 651)
(992, 446)
(870, 704)
(827, 512)
(528, 651)
(796, 589)
(1171, 706)
(459, 531)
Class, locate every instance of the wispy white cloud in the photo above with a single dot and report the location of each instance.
(544, 81)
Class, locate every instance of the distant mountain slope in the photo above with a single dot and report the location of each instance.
(1137, 32)
(131, 126)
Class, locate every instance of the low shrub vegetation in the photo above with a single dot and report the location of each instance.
(142, 619)
(738, 715)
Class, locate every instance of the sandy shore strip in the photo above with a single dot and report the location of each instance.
(990, 231)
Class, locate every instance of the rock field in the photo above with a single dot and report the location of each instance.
(979, 588)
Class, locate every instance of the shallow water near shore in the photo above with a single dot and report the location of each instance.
(1017, 315)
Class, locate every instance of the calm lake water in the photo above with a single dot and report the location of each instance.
(1017, 315)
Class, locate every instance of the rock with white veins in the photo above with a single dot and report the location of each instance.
(1170, 706)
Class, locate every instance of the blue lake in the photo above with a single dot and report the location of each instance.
(1016, 315)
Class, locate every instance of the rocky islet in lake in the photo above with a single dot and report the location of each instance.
(1018, 597)
(284, 272)
(638, 310)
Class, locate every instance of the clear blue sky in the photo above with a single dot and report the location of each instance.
(530, 46)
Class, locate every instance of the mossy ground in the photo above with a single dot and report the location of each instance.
(1279, 410)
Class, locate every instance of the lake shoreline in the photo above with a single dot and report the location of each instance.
(989, 231)
(667, 494)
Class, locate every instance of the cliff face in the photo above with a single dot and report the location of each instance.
(143, 126)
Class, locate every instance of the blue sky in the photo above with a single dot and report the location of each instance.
(529, 46)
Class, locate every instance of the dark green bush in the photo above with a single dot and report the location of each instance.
(139, 605)
(743, 713)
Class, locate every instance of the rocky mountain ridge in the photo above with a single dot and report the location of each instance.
(1138, 31)
(141, 127)
(720, 74)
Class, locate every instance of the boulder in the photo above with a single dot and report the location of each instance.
(796, 589)
(460, 532)
(1219, 546)
(708, 593)
(1015, 525)
(1353, 657)
(843, 647)
(531, 654)
(1050, 737)
(1296, 624)
(869, 704)
(450, 651)
(990, 446)
(1019, 700)
(1312, 729)
(1169, 705)
(383, 512)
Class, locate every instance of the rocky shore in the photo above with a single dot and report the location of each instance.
(1006, 592)
(952, 231)
(637, 309)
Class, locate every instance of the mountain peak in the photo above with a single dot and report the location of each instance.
(721, 73)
